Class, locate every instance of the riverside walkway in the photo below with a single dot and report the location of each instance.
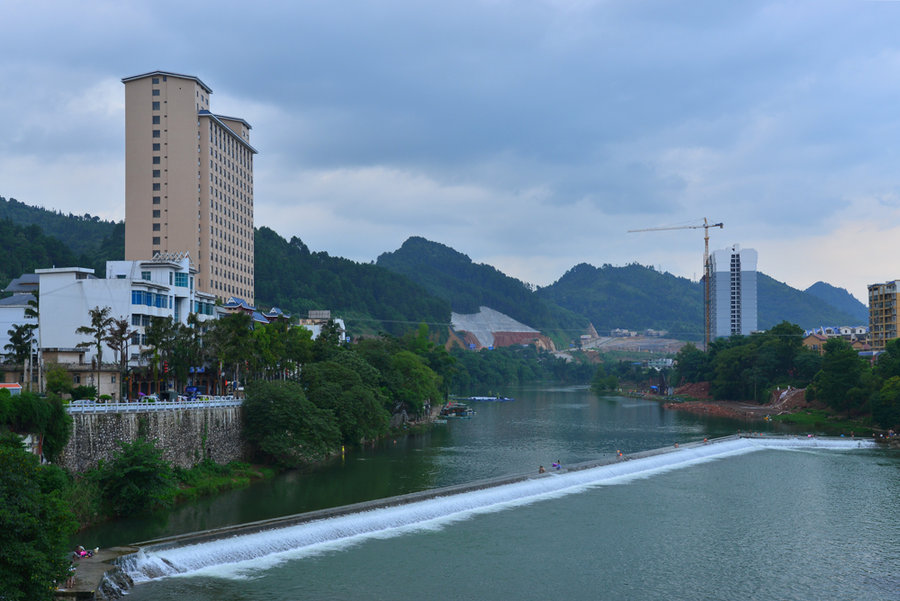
(143, 406)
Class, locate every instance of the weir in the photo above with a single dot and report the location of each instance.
(232, 550)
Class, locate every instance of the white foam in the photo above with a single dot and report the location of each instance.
(244, 555)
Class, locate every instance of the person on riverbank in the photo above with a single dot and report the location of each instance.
(541, 470)
(70, 579)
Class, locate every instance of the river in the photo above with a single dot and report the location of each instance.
(750, 522)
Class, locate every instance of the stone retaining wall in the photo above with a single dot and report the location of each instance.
(186, 436)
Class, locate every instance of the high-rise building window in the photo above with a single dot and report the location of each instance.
(155, 105)
(156, 213)
(155, 119)
(156, 173)
(156, 92)
(155, 240)
(155, 133)
(156, 147)
(156, 187)
(156, 160)
(156, 200)
(155, 227)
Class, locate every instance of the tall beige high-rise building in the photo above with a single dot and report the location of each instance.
(188, 181)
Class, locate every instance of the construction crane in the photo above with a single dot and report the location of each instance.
(706, 275)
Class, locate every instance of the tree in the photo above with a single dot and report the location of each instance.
(285, 426)
(136, 479)
(886, 404)
(100, 321)
(35, 524)
(841, 372)
(118, 337)
(21, 343)
(691, 364)
(59, 381)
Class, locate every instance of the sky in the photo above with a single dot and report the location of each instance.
(529, 135)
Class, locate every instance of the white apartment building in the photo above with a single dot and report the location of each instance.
(732, 291)
(188, 181)
(134, 290)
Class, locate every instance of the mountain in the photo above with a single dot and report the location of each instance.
(637, 297)
(370, 298)
(632, 297)
(840, 299)
(468, 286)
(25, 248)
(83, 234)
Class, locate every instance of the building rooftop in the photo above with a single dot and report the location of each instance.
(168, 74)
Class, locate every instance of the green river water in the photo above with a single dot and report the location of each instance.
(736, 522)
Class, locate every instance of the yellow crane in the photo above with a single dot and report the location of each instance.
(706, 275)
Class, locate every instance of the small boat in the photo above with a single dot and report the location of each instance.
(486, 399)
(455, 409)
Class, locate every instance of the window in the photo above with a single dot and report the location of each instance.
(156, 146)
(156, 213)
(156, 105)
(156, 200)
(155, 119)
(76, 379)
(156, 173)
(155, 80)
(145, 275)
(156, 187)
(156, 92)
(181, 279)
(155, 240)
(156, 160)
(135, 318)
(155, 227)
(155, 133)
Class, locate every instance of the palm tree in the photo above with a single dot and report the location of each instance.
(21, 340)
(160, 341)
(100, 321)
(118, 337)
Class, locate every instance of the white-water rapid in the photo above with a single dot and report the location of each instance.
(239, 556)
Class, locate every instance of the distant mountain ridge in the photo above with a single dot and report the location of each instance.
(423, 281)
(467, 286)
(840, 299)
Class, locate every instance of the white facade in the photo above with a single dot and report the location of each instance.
(133, 290)
(12, 313)
(732, 291)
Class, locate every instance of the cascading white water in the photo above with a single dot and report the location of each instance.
(237, 555)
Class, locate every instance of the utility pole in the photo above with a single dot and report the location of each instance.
(706, 274)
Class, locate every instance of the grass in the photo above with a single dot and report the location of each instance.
(209, 478)
(818, 419)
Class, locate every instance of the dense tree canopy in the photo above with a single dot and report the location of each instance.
(35, 524)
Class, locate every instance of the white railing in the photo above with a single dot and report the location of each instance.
(141, 406)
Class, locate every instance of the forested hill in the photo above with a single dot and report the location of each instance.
(633, 297)
(840, 299)
(84, 234)
(637, 297)
(451, 275)
(371, 298)
(25, 248)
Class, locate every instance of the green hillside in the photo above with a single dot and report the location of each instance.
(840, 299)
(452, 276)
(84, 234)
(25, 248)
(370, 298)
(633, 297)
(637, 297)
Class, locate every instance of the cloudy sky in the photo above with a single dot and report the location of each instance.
(530, 135)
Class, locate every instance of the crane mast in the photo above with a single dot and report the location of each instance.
(706, 274)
